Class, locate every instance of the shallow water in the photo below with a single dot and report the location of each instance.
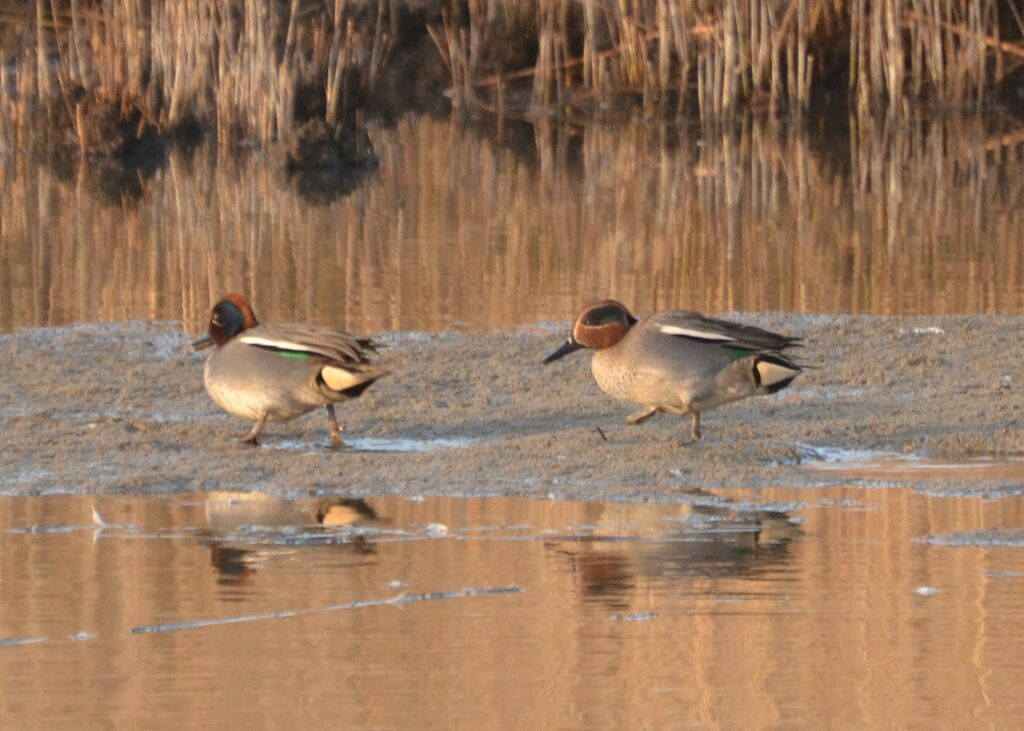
(743, 608)
(483, 229)
(890, 468)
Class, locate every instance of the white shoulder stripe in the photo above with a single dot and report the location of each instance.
(280, 344)
(695, 333)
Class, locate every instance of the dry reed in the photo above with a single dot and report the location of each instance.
(235, 65)
(713, 60)
(249, 69)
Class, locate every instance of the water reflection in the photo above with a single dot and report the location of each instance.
(695, 540)
(482, 229)
(826, 610)
(706, 537)
(245, 530)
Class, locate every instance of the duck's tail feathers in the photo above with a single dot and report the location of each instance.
(772, 373)
(369, 345)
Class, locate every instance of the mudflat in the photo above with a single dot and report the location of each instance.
(121, 408)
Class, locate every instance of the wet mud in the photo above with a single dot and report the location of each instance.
(121, 408)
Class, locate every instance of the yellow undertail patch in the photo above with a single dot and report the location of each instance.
(772, 373)
(338, 379)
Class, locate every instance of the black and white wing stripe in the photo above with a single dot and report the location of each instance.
(693, 326)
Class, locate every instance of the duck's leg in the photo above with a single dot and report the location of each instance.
(642, 415)
(332, 424)
(254, 435)
(695, 426)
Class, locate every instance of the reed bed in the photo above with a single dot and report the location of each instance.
(667, 58)
(253, 71)
(250, 70)
(481, 231)
(714, 60)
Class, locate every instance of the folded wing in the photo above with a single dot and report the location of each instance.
(333, 345)
(733, 335)
(346, 361)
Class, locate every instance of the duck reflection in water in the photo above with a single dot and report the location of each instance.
(624, 544)
(246, 530)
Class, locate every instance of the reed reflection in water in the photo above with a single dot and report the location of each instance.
(471, 229)
(630, 615)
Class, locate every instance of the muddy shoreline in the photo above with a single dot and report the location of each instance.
(121, 408)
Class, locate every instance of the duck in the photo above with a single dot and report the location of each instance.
(678, 362)
(278, 372)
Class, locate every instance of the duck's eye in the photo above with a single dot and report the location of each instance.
(215, 320)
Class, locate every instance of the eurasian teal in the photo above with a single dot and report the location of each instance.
(678, 362)
(278, 372)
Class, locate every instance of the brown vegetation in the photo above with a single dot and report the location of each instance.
(254, 72)
(250, 71)
(712, 60)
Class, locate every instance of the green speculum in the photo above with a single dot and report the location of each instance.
(294, 354)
